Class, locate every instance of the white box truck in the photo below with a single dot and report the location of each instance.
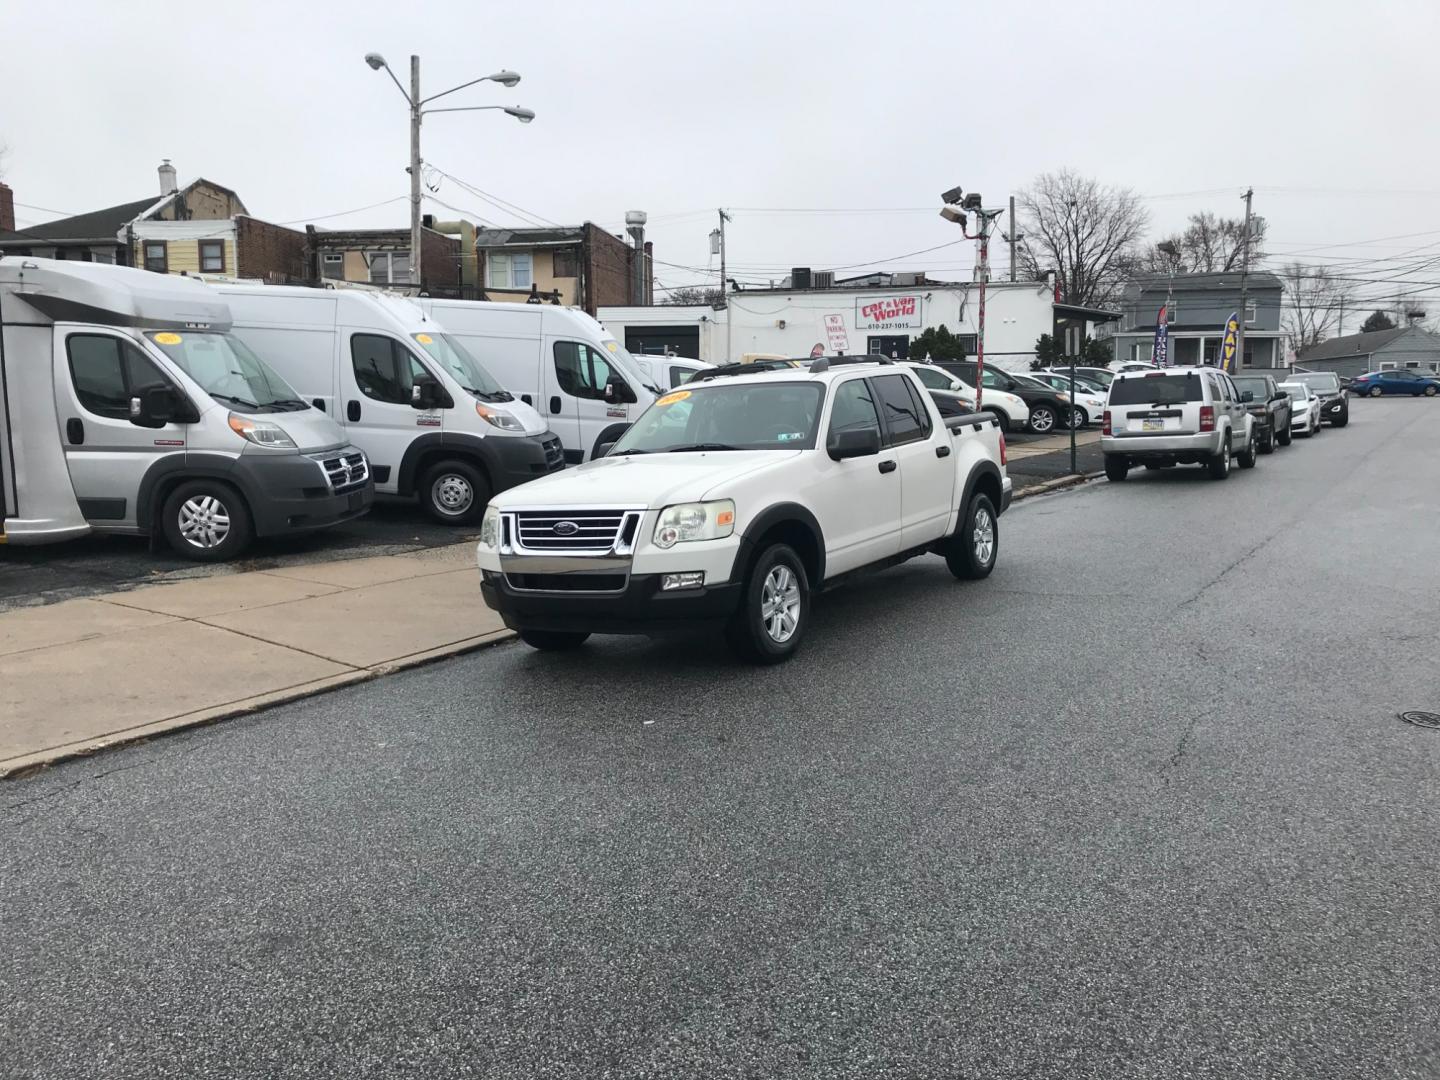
(127, 407)
(434, 422)
(558, 359)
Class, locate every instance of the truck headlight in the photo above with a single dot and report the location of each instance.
(503, 421)
(695, 521)
(490, 528)
(261, 432)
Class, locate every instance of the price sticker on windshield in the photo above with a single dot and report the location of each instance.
(424, 339)
(167, 339)
(670, 399)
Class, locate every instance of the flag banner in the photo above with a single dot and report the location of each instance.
(1160, 354)
(1227, 348)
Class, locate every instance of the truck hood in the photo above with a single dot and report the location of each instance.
(651, 480)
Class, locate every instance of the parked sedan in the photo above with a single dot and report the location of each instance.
(1328, 387)
(1046, 406)
(1088, 399)
(1098, 376)
(1304, 409)
(1013, 413)
(1377, 383)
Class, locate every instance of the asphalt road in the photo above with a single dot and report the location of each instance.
(1139, 805)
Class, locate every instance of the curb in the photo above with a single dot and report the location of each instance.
(18, 768)
(1069, 480)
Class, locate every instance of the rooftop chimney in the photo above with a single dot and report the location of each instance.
(167, 177)
(7, 209)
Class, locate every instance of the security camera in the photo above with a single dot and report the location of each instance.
(952, 196)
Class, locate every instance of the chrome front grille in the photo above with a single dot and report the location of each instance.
(346, 471)
(573, 532)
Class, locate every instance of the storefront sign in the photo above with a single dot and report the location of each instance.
(836, 336)
(887, 313)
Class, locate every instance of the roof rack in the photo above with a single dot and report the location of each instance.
(825, 363)
(755, 367)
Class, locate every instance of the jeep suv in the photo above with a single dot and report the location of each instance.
(1177, 416)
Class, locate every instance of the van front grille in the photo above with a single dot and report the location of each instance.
(346, 471)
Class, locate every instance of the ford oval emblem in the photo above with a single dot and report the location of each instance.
(566, 528)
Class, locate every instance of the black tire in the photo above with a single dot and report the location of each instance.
(1341, 420)
(1117, 468)
(454, 492)
(751, 633)
(1219, 465)
(1267, 444)
(216, 523)
(553, 640)
(1248, 457)
(1429, 391)
(1285, 435)
(1375, 391)
(1043, 419)
(1078, 418)
(971, 552)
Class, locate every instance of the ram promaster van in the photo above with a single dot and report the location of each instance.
(558, 359)
(127, 407)
(434, 422)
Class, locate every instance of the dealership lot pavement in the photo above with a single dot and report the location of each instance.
(1139, 805)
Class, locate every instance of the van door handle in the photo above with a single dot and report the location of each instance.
(75, 431)
(527, 399)
(887, 466)
(942, 451)
(555, 406)
(352, 411)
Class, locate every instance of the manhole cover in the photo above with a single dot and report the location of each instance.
(1422, 719)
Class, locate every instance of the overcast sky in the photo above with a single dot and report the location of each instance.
(785, 112)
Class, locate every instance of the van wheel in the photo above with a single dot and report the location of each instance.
(454, 493)
(207, 521)
(1117, 468)
(552, 640)
(970, 553)
(774, 608)
(1220, 463)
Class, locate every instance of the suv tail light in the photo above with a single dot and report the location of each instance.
(1207, 417)
(1002, 449)
(1105, 424)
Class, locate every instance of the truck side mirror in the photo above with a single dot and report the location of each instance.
(1247, 395)
(862, 442)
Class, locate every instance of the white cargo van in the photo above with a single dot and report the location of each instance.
(434, 422)
(128, 408)
(558, 359)
(668, 372)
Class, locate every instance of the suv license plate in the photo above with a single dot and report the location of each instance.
(1152, 425)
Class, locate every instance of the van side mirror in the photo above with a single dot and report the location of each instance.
(618, 391)
(154, 407)
(424, 396)
(862, 442)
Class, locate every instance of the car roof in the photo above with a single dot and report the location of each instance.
(728, 374)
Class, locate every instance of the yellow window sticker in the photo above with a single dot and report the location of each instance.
(670, 399)
(424, 339)
(612, 345)
(167, 339)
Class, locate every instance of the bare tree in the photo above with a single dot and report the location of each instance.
(1208, 245)
(693, 295)
(1087, 233)
(1314, 300)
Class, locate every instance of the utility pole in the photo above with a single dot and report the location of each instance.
(415, 171)
(1244, 273)
(1012, 237)
(724, 217)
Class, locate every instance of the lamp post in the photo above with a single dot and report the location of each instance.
(957, 204)
(417, 111)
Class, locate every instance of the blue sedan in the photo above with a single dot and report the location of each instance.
(1376, 383)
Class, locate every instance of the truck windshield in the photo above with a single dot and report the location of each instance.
(463, 367)
(1255, 386)
(228, 371)
(749, 416)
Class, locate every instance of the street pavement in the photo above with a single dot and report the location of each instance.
(1139, 805)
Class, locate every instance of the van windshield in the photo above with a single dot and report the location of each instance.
(628, 364)
(463, 367)
(228, 371)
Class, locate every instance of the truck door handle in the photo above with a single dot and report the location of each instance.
(887, 466)
(75, 431)
(942, 451)
(352, 411)
(555, 406)
(527, 399)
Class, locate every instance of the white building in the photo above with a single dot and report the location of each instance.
(846, 318)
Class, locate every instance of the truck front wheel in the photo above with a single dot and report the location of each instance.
(970, 553)
(774, 608)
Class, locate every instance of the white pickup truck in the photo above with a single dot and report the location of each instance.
(734, 499)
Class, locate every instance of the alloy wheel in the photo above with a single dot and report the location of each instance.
(780, 604)
(983, 536)
(204, 521)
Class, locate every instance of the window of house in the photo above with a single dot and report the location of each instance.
(384, 369)
(581, 371)
(512, 270)
(108, 372)
(903, 415)
(332, 265)
(1249, 312)
(212, 256)
(388, 267)
(566, 263)
(106, 257)
(970, 343)
(157, 256)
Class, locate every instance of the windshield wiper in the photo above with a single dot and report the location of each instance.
(622, 453)
(295, 402)
(491, 395)
(235, 400)
(700, 446)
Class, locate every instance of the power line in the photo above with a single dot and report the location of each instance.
(343, 213)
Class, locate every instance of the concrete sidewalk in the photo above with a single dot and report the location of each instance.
(84, 674)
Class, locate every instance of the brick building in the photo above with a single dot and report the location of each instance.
(382, 257)
(583, 265)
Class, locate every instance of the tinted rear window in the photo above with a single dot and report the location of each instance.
(1157, 390)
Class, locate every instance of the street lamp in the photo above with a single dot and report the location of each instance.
(504, 77)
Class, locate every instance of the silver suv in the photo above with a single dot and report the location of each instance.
(1177, 416)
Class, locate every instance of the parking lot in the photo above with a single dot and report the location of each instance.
(1138, 805)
